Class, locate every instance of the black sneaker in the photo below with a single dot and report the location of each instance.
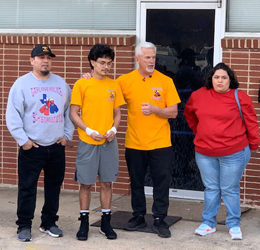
(161, 228)
(24, 234)
(106, 228)
(82, 234)
(53, 231)
(135, 223)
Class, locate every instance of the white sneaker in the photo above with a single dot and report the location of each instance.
(235, 233)
(204, 229)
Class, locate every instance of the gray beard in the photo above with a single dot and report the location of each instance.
(45, 72)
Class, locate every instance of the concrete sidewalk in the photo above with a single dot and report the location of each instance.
(182, 232)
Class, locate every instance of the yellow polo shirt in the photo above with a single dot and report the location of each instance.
(97, 100)
(147, 132)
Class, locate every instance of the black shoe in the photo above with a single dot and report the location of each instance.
(106, 228)
(82, 234)
(135, 223)
(161, 228)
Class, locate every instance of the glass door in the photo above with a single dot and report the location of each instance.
(187, 36)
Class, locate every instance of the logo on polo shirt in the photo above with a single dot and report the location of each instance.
(112, 94)
(157, 93)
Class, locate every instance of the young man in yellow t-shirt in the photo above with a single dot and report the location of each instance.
(151, 99)
(98, 99)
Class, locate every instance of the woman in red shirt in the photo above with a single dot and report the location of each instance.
(222, 145)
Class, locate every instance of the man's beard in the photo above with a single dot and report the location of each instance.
(150, 70)
(45, 72)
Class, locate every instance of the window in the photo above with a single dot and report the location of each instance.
(243, 16)
(68, 14)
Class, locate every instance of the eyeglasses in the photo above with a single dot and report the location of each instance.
(105, 64)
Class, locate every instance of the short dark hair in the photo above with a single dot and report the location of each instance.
(100, 51)
(232, 76)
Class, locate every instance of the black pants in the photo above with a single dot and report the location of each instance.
(30, 163)
(159, 161)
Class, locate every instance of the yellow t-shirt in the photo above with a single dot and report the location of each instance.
(147, 132)
(97, 100)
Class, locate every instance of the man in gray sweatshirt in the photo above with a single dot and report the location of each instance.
(37, 116)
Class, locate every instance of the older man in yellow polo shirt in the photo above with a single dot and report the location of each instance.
(151, 99)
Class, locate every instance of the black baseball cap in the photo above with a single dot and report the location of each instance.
(41, 49)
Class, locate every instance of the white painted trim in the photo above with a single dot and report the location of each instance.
(179, 193)
(138, 20)
(66, 32)
(220, 24)
(242, 34)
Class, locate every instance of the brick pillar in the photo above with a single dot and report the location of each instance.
(243, 56)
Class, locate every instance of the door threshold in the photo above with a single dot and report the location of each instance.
(179, 193)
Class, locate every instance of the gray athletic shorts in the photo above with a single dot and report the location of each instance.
(93, 160)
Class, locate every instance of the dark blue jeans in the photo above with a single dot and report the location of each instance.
(159, 161)
(51, 159)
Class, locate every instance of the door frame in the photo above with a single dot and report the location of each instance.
(220, 19)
